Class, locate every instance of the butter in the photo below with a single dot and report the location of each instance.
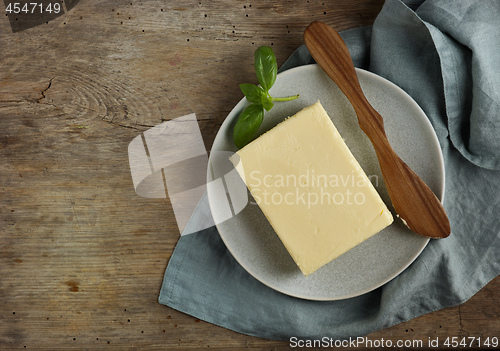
(312, 190)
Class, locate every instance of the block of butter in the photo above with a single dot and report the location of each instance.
(311, 188)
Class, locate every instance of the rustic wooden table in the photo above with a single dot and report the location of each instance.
(82, 256)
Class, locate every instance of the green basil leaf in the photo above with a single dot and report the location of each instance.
(266, 102)
(252, 92)
(266, 67)
(247, 125)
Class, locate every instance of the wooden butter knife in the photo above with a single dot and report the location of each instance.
(413, 200)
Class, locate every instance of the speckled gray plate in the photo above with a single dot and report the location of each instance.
(253, 242)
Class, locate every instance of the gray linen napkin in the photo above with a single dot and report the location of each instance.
(446, 55)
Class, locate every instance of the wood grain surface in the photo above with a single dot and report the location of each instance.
(82, 256)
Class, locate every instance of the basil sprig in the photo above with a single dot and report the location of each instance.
(252, 116)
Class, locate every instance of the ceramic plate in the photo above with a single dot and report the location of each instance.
(251, 239)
